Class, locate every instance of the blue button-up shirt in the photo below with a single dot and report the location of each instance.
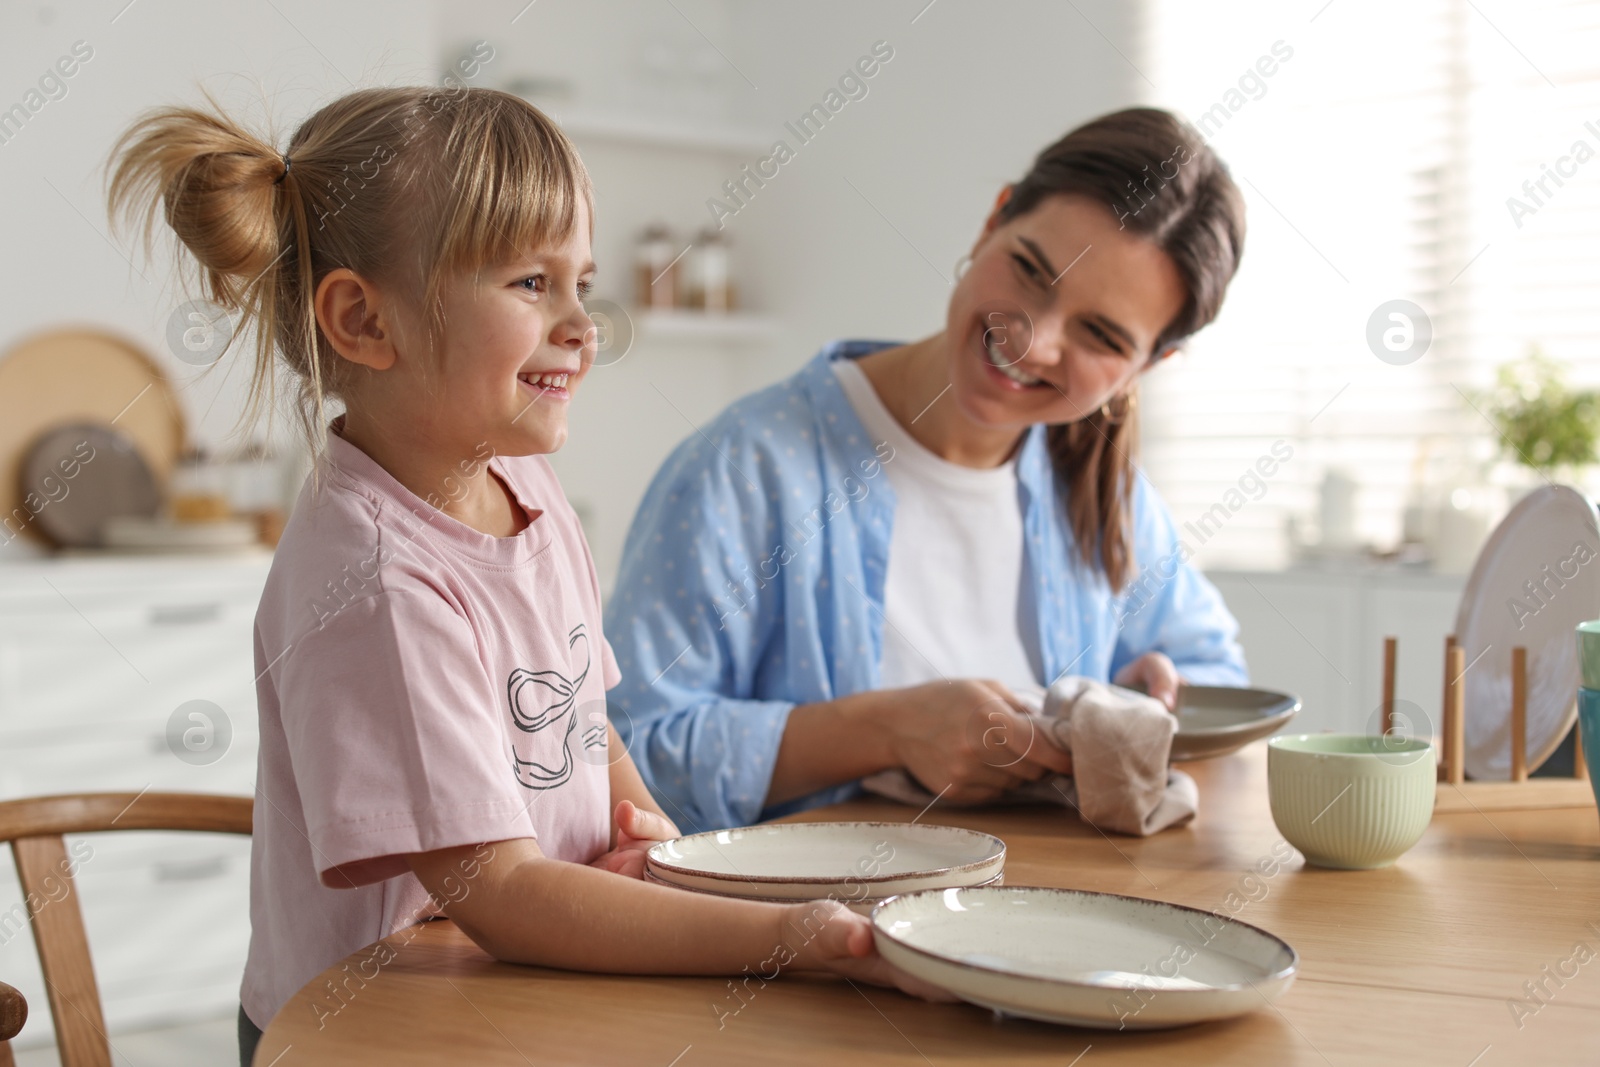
(752, 580)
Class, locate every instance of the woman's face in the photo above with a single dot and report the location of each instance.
(1057, 314)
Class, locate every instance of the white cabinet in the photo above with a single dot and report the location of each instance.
(96, 656)
(1319, 634)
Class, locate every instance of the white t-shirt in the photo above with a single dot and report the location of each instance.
(957, 600)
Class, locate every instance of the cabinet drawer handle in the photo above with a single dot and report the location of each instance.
(184, 614)
(193, 871)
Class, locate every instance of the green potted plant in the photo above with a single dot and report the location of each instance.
(1544, 424)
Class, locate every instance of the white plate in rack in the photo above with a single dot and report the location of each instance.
(807, 860)
(1536, 578)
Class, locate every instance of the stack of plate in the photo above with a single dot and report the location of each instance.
(856, 863)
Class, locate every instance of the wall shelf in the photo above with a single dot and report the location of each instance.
(656, 131)
(686, 325)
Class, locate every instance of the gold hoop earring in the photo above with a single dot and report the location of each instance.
(1129, 403)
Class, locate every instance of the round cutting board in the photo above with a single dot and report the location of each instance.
(76, 376)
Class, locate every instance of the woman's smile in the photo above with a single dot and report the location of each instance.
(1004, 367)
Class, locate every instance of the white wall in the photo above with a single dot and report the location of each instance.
(973, 93)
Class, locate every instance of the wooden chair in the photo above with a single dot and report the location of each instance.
(13, 1013)
(34, 829)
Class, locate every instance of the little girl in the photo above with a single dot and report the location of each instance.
(431, 669)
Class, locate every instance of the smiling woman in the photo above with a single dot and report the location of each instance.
(997, 556)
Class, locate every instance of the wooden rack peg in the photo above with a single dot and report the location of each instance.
(1519, 714)
(1580, 766)
(1444, 711)
(1455, 714)
(1389, 644)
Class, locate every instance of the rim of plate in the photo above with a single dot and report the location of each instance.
(652, 860)
(1285, 972)
(655, 879)
(1248, 724)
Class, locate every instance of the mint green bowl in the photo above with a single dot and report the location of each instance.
(1351, 801)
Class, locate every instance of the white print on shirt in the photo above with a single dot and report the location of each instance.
(542, 702)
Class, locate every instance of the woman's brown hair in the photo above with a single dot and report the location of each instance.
(406, 186)
(1156, 174)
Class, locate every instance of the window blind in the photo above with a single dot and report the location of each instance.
(1382, 150)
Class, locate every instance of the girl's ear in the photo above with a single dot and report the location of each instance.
(346, 306)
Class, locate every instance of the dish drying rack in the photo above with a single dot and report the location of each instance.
(1520, 793)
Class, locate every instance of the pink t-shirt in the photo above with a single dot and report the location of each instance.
(421, 685)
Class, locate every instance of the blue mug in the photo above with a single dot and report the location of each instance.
(1589, 733)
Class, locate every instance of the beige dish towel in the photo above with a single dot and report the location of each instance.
(1119, 739)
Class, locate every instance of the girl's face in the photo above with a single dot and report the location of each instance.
(517, 344)
(1056, 315)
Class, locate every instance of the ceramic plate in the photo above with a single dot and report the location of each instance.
(129, 533)
(860, 904)
(1214, 720)
(1536, 578)
(89, 474)
(807, 860)
(1086, 959)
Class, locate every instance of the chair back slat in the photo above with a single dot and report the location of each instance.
(34, 828)
(48, 887)
(87, 813)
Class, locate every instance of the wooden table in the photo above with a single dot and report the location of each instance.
(1417, 964)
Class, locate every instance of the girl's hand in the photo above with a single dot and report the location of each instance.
(637, 830)
(824, 935)
(1155, 673)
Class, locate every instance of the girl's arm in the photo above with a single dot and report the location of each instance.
(522, 907)
(626, 783)
(638, 823)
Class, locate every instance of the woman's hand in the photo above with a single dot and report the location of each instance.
(637, 830)
(1154, 673)
(824, 935)
(969, 740)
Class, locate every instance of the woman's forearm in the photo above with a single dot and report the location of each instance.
(830, 742)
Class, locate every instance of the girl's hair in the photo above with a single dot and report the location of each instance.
(1155, 172)
(407, 186)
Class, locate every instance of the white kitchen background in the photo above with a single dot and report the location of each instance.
(1376, 158)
